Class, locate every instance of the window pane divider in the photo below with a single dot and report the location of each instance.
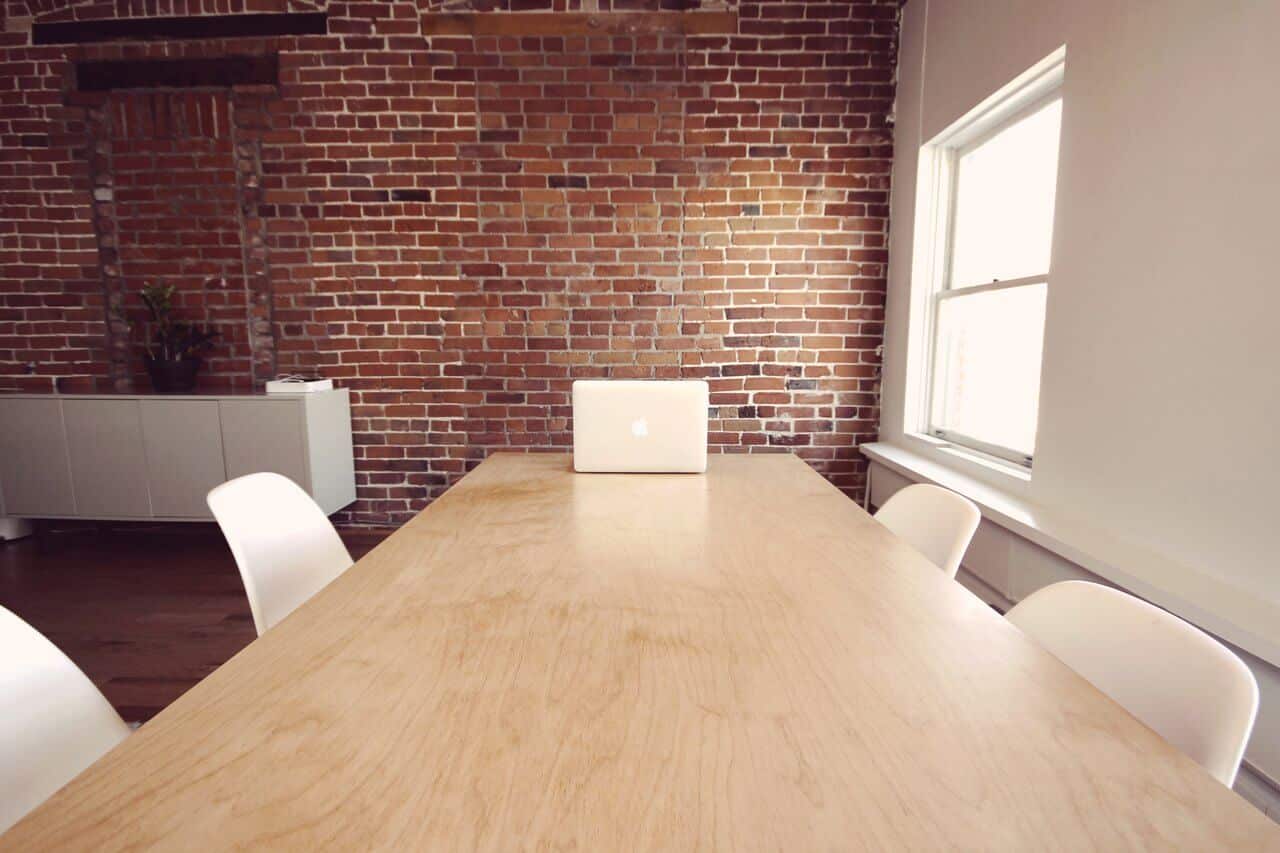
(992, 286)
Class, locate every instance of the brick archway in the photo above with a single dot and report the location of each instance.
(177, 179)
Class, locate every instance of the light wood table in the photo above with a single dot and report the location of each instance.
(737, 661)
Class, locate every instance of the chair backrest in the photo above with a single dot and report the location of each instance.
(53, 722)
(935, 521)
(1188, 687)
(283, 543)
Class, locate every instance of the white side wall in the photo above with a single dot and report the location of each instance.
(1160, 408)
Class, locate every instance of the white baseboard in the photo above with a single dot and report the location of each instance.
(1259, 789)
(980, 588)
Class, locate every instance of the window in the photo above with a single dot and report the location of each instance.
(995, 182)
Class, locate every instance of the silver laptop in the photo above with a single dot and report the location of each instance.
(640, 426)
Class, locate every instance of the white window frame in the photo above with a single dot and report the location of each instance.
(1033, 91)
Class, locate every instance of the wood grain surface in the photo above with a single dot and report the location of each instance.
(550, 661)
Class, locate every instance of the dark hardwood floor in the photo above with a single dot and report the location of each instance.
(146, 613)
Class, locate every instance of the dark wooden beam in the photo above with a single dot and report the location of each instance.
(578, 23)
(176, 73)
(185, 27)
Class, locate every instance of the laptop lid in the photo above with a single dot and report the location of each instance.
(640, 425)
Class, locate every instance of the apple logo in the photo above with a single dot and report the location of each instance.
(640, 428)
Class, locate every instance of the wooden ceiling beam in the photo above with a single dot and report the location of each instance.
(578, 23)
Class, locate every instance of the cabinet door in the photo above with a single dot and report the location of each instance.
(108, 465)
(184, 455)
(33, 458)
(264, 435)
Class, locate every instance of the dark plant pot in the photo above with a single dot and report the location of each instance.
(172, 376)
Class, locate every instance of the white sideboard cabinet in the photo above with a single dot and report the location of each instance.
(151, 456)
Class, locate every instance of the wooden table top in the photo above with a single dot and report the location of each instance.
(737, 661)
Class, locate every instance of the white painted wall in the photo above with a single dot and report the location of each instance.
(1160, 408)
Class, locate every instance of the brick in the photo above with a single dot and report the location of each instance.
(410, 195)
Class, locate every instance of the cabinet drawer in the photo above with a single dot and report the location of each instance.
(265, 435)
(108, 465)
(34, 471)
(184, 455)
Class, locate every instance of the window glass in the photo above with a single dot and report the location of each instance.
(987, 365)
(1003, 217)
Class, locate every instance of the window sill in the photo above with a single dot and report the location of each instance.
(968, 456)
(1239, 616)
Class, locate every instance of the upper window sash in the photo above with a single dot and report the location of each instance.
(949, 179)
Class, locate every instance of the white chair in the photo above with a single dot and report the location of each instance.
(1177, 679)
(935, 521)
(283, 543)
(53, 722)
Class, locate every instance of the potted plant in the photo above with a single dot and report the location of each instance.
(173, 353)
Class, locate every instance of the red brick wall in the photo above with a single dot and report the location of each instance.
(456, 227)
(51, 298)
